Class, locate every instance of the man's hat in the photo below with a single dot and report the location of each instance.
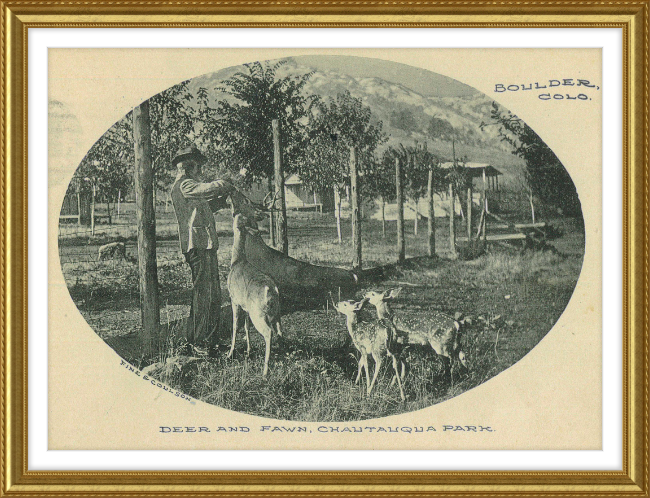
(189, 153)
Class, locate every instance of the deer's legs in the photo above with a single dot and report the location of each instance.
(267, 352)
(278, 331)
(361, 358)
(365, 366)
(402, 375)
(377, 359)
(248, 341)
(235, 324)
(397, 376)
(265, 328)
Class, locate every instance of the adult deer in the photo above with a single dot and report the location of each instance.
(251, 291)
(436, 329)
(370, 338)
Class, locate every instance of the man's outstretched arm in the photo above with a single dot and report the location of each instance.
(192, 189)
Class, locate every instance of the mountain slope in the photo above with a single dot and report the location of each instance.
(406, 115)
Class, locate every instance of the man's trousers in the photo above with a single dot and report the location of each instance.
(205, 313)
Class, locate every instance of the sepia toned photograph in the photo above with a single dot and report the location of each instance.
(320, 238)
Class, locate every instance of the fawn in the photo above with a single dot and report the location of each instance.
(253, 292)
(440, 331)
(370, 338)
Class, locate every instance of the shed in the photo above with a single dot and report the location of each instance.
(479, 170)
(299, 197)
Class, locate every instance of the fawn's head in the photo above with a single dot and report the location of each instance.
(380, 300)
(350, 308)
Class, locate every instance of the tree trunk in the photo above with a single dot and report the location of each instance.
(337, 212)
(356, 218)
(452, 215)
(119, 196)
(383, 217)
(283, 241)
(431, 222)
(417, 215)
(108, 209)
(78, 206)
(401, 248)
(485, 207)
(271, 216)
(532, 206)
(469, 214)
(92, 211)
(146, 217)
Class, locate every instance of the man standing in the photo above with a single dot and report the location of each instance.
(194, 204)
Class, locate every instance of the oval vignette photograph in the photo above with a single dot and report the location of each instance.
(319, 238)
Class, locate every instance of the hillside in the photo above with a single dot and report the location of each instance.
(407, 114)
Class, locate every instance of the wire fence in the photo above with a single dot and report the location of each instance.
(100, 266)
(100, 263)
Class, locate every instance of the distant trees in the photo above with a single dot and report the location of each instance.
(547, 178)
(335, 126)
(104, 171)
(439, 128)
(378, 182)
(403, 119)
(108, 165)
(419, 161)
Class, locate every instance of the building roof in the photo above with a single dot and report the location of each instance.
(293, 180)
(476, 169)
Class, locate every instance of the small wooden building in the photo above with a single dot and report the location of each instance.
(488, 173)
(299, 197)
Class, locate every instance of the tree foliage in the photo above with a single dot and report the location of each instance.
(418, 161)
(403, 119)
(243, 129)
(546, 176)
(379, 178)
(440, 129)
(335, 126)
(107, 164)
(172, 128)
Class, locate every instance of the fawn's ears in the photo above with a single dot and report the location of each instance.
(392, 294)
(360, 304)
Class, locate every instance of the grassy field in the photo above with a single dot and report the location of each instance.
(512, 296)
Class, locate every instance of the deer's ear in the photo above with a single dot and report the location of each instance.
(393, 293)
(360, 304)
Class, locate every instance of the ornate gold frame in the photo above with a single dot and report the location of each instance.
(18, 16)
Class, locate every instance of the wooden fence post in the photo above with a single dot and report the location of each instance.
(356, 220)
(92, 211)
(484, 206)
(417, 215)
(271, 215)
(383, 217)
(337, 212)
(146, 217)
(79, 205)
(469, 213)
(281, 219)
(452, 215)
(431, 221)
(401, 249)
